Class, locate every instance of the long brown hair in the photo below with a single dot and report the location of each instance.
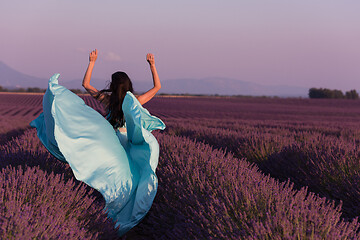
(120, 84)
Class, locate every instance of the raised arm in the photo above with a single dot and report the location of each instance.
(144, 98)
(86, 81)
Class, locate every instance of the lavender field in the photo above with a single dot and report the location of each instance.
(229, 168)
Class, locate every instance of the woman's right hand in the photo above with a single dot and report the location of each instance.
(93, 56)
(150, 59)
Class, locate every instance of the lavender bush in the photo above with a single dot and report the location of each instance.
(27, 150)
(77, 209)
(326, 162)
(36, 205)
(10, 128)
(207, 194)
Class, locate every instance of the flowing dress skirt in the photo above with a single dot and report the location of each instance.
(120, 165)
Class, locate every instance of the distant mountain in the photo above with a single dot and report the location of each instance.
(227, 86)
(10, 78)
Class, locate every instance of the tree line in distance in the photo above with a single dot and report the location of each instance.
(335, 94)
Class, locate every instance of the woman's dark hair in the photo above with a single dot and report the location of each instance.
(120, 84)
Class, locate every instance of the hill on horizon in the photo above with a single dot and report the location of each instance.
(228, 86)
(12, 79)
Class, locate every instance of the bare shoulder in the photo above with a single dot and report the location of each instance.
(103, 98)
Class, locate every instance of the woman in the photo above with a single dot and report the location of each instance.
(119, 164)
(120, 78)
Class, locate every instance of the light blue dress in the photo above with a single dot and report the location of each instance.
(120, 165)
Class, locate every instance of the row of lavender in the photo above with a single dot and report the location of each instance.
(40, 198)
(324, 159)
(301, 110)
(203, 194)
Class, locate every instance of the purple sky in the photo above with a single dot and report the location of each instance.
(308, 43)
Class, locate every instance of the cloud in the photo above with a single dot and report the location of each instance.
(112, 57)
(82, 50)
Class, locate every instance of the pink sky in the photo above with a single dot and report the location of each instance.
(301, 43)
